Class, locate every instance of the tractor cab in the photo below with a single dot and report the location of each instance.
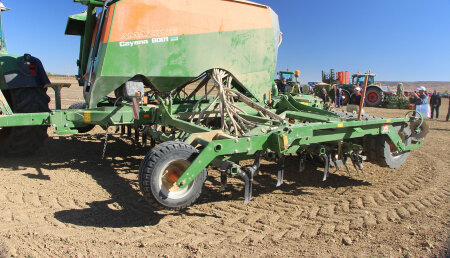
(291, 79)
(289, 76)
(358, 79)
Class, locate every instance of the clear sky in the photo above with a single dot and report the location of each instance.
(405, 40)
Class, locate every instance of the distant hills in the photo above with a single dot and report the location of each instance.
(409, 86)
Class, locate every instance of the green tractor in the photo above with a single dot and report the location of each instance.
(22, 82)
(374, 93)
(292, 79)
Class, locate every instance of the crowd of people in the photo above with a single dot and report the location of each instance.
(427, 105)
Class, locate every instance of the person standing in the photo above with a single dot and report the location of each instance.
(435, 102)
(324, 94)
(283, 87)
(333, 94)
(355, 101)
(338, 97)
(448, 112)
(421, 101)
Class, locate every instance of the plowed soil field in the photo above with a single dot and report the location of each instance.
(67, 201)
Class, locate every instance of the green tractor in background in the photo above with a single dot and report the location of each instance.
(299, 93)
(289, 76)
(374, 93)
(22, 82)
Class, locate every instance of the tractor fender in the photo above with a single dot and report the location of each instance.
(22, 72)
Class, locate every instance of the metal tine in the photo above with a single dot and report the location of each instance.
(354, 162)
(247, 194)
(281, 160)
(357, 163)
(326, 171)
(253, 170)
(223, 180)
(302, 163)
(346, 166)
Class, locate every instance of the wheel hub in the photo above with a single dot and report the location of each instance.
(373, 97)
(170, 176)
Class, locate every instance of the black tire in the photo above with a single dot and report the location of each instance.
(345, 97)
(86, 128)
(387, 158)
(24, 140)
(374, 97)
(159, 171)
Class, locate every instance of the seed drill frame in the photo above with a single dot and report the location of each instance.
(222, 126)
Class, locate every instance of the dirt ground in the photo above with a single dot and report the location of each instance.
(67, 201)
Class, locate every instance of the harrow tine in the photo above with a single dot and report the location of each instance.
(353, 158)
(280, 170)
(223, 181)
(253, 170)
(248, 186)
(346, 166)
(302, 163)
(326, 171)
(357, 163)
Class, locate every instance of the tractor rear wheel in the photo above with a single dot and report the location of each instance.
(24, 140)
(386, 156)
(374, 97)
(345, 97)
(160, 170)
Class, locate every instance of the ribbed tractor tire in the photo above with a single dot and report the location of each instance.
(385, 157)
(86, 128)
(345, 97)
(159, 171)
(24, 140)
(374, 97)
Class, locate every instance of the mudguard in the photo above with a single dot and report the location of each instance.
(22, 72)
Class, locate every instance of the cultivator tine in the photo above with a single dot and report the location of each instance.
(357, 163)
(280, 170)
(144, 138)
(302, 163)
(327, 158)
(346, 166)
(253, 170)
(223, 180)
(122, 130)
(248, 186)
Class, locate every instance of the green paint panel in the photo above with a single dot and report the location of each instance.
(249, 55)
